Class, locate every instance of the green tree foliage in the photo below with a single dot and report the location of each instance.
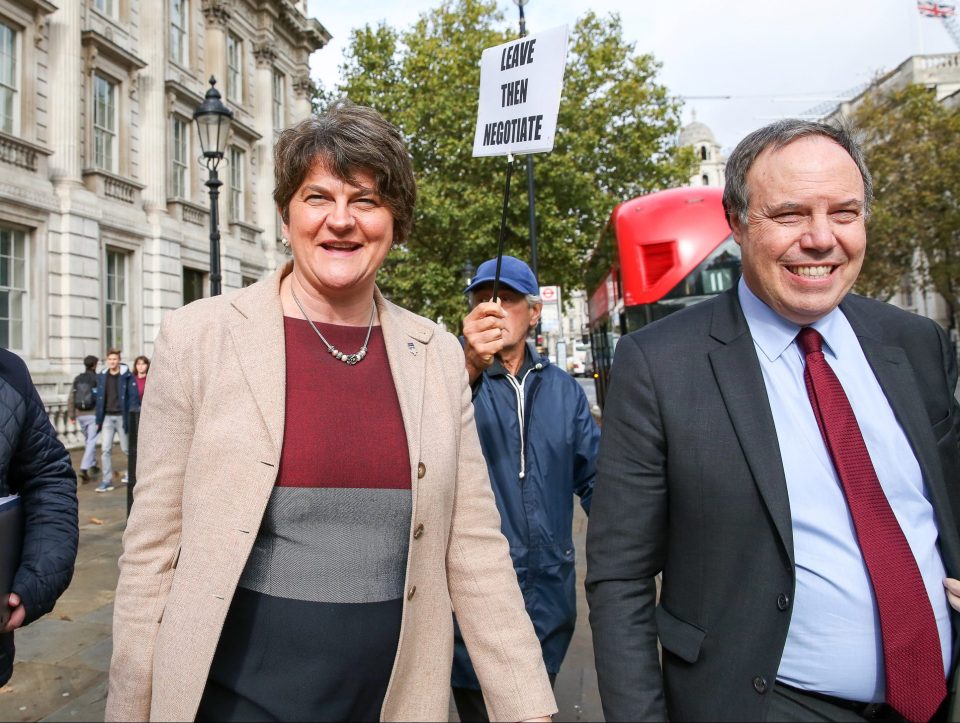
(910, 142)
(615, 140)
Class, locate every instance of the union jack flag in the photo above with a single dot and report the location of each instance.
(935, 9)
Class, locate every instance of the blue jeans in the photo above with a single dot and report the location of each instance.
(112, 423)
(88, 423)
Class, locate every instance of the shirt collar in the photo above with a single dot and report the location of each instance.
(773, 334)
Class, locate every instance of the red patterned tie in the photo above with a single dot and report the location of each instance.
(916, 685)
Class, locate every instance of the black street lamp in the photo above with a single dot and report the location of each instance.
(213, 123)
(530, 185)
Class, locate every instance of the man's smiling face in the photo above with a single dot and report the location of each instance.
(805, 236)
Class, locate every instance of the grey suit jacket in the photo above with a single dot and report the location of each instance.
(690, 483)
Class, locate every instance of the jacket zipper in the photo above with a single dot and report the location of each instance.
(521, 413)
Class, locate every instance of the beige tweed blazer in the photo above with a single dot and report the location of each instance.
(211, 433)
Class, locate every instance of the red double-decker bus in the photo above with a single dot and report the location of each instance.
(658, 253)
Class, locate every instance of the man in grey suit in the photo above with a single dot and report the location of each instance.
(786, 455)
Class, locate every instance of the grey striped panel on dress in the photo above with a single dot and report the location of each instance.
(334, 545)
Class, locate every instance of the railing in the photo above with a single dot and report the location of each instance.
(17, 153)
(67, 432)
(941, 60)
(120, 189)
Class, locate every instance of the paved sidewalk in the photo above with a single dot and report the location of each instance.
(62, 660)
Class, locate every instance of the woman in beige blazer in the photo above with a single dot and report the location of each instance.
(312, 502)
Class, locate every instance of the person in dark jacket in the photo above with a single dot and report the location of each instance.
(35, 466)
(113, 407)
(540, 443)
(82, 409)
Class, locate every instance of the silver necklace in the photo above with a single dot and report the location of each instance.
(348, 359)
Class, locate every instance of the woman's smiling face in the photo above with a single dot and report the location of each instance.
(339, 233)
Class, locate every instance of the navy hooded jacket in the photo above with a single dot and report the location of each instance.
(540, 442)
(35, 465)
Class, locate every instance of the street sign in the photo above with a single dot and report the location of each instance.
(550, 310)
(520, 87)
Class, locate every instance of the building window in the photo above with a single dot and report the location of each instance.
(706, 179)
(192, 285)
(104, 123)
(115, 310)
(107, 7)
(234, 68)
(180, 181)
(703, 153)
(13, 287)
(8, 80)
(278, 120)
(236, 184)
(178, 32)
(247, 281)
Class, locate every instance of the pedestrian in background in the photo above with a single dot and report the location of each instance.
(540, 442)
(787, 454)
(137, 384)
(34, 465)
(314, 478)
(82, 409)
(113, 404)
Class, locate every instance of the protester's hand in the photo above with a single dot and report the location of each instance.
(953, 592)
(18, 615)
(483, 330)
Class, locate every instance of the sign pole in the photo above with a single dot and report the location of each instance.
(503, 226)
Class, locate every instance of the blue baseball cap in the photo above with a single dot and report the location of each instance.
(514, 274)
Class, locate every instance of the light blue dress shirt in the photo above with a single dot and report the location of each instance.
(834, 644)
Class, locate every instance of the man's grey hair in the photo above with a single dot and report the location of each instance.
(775, 136)
(532, 299)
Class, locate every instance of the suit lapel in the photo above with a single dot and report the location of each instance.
(260, 346)
(744, 393)
(405, 339)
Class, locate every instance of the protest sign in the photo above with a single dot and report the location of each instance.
(520, 87)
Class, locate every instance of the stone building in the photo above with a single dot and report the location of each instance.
(104, 221)
(712, 162)
(941, 73)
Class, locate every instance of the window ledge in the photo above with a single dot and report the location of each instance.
(248, 232)
(110, 185)
(20, 153)
(188, 211)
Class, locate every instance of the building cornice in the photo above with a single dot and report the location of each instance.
(37, 7)
(98, 44)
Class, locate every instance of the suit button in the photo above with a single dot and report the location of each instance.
(412, 592)
(421, 470)
(418, 531)
(760, 684)
(783, 601)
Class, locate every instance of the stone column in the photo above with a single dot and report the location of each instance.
(66, 75)
(155, 119)
(217, 13)
(263, 118)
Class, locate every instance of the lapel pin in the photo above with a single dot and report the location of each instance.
(412, 347)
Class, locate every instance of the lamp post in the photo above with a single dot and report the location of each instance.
(530, 186)
(468, 269)
(213, 123)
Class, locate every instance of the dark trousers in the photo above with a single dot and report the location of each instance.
(791, 704)
(470, 705)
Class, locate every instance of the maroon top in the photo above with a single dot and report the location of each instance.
(141, 384)
(343, 423)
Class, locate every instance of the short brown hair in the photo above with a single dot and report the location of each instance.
(348, 138)
(113, 350)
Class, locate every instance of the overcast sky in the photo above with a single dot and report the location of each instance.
(773, 58)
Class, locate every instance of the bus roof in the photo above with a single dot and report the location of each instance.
(663, 236)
